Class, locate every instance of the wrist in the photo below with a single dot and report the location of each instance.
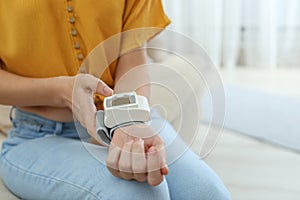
(64, 88)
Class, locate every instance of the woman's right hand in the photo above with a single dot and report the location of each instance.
(80, 99)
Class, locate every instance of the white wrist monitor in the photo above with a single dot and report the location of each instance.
(125, 107)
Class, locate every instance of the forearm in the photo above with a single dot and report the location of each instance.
(127, 63)
(23, 91)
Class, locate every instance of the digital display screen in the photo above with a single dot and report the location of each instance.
(121, 101)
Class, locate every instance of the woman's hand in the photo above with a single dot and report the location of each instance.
(81, 99)
(139, 159)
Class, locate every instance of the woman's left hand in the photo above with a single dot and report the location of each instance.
(135, 158)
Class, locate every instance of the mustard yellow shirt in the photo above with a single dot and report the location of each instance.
(46, 38)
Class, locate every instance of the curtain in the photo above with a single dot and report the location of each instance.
(241, 33)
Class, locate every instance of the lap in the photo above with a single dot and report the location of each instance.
(59, 168)
(55, 167)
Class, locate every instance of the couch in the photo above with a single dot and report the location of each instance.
(5, 124)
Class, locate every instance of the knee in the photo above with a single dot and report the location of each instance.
(218, 191)
(135, 191)
(207, 191)
(195, 180)
(210, 187)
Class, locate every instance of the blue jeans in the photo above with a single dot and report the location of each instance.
(44, 159)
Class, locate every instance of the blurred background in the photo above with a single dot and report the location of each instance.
(255, 44)
(241, 33)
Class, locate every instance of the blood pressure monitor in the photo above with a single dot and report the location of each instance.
(121, 110)
(125, 107)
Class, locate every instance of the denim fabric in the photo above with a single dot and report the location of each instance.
(44, 159)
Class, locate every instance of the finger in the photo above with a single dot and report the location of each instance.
(159, 144)
(163, 159)
(154, 173)
(125, 161)
(112, 160)
(139, 162)
(90, 120)
(88, 112)
(91, 126)
(103, 89)
(165, 170)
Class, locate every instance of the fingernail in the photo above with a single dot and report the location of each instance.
(107, 90)
(140, 140)
(152, 151)
(165, 170)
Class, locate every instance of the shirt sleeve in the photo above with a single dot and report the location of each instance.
(142, 20)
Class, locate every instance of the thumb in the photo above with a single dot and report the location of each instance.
(103, 89)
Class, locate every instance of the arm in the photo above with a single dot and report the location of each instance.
(23, 91)
(128, 62)
(146, 160)
(75, 93)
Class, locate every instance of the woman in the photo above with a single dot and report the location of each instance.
(42, 46)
